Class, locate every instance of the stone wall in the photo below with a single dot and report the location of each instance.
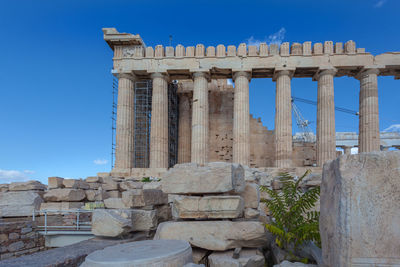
(18, 237)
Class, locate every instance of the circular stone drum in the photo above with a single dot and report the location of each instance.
(149, 253)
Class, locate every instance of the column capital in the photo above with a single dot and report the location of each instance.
(241, 73)
(129, 76)
(204, 74)
(279, 71)
(327, 70)
(366, 70)
(159, 75)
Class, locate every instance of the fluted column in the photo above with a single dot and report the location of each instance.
(125, 122)
(159, 122)
(283, 120)
(326, 134)
(241, 119)
(368, 138)
(200, 119)
(185, 129)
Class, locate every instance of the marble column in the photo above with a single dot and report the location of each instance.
(326, 134)
(368, 138)
(347, 150)
(159, 122)
(241, 119)
(200, 116)
(125, 122)
(185, 128)
(283, 120)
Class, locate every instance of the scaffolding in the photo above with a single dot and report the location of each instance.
(113, 118)
(143, 96)
(172, 124)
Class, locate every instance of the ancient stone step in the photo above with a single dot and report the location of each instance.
(19, 203)
(214, 177)
(148, 253)
(215, 235)
(213, 207)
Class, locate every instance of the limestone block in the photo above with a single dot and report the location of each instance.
(212, 207)
(231, 51)
(251, 195)
(200, 50)
(163, 213)
(211, 51)
(65, 194)
(215, 235)
(140, 198)
(96, 195)
(253, 51)
(169, 51)
(148, 253)
(60, 206)
(127, 185)
(190, 51)
(263, 50)
(94, 185)
(111, 223)
(199, 255)
(180, 51)
(74, 183)
(247, 258)
(242, 50)
(318, 49)
(293, 264)
(149, 52)
(144, 220)
(193, 265)
(93, 179)
(273, 49)
(214, 177)
(152, 185)
(360, 204)
(113, 193)
(221, 51)
(114, 203)
(159, 51)
(103, 174)
(284, 49)
(350, 47)
(307, 51)
(250, 213)
(338, 48)
(19, 203)
(296, 49)
(328, 47)
(25, 186)
(55, 182)
(109, 184)
(4, 188)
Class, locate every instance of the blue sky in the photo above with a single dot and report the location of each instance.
(55, 81)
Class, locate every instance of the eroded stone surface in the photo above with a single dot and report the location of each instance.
(214, 177)
(360, 203)
(247, 258)
(140, 198)
(111, 223)
(25, 186)
(19, 204)
(65, 194)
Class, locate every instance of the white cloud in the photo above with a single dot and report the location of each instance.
(100, 161)
(7, 176)
(380, 3)
(354, 150)
(393, 128)
(275, 38)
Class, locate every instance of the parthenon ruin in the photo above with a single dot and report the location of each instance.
(214, 123)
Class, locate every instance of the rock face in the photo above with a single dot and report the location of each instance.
(19, 204)
(25, 186)
(247, 258)
(213, 207)
(65, 194)
(360, 204)
(148, 253)
(215, 235)
(214, 177)
(111, 223)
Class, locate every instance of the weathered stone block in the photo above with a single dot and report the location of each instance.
(96, 195)
(93, 179)
(250, 213)
(60, 206)
(247, 258)
(152, 185)
(19, 204)
(114, 203)
(111, 223)
(4, 188)
(140, 198)
(25, 186)
(215, 177)
(113, 193)
(109, 184)
(76, 184)
(127, 185)
(360, 204)
(215, 207)
(55, 182)
(215, 235)
(144, 220)
(251, 195)
(65, 194)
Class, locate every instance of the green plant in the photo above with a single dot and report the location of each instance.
(146, 180)
(293, 223)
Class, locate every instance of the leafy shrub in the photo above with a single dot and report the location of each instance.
(293, 223)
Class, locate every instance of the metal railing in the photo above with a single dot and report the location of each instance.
(79, 225)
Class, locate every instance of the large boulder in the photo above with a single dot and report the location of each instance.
(111, 223)
(19, 204)
(247, 258)
(26, 186)
(65, 194)
(214, 177)
(360, 204)
(215, 235)
(213, 207)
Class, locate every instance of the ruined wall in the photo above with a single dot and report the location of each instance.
(304, 154)
(262, 143)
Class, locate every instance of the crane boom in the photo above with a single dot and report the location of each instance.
(294, 98)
